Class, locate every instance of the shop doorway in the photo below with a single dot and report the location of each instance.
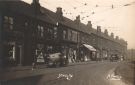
(15, 54)
(19, 55)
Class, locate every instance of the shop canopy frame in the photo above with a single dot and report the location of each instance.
(89, 47)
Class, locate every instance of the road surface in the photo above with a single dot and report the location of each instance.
(93, 73)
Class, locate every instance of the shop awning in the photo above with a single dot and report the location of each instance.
(91, 48)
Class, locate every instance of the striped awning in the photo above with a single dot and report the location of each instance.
(91, 48)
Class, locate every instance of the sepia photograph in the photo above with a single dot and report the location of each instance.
(67, 42)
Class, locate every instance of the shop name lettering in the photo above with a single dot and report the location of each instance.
(65, 76)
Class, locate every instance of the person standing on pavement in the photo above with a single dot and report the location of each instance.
(34, 61)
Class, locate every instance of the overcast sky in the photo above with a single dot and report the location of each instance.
(118, 16)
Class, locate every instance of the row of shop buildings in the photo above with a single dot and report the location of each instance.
(29, 32)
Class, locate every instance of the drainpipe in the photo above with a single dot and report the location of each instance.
(1, 46)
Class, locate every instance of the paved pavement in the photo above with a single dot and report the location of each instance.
(26, 71)
(87, 73)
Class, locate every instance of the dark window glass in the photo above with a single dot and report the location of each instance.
(55, 32)
(40, 31)
(50, 33)
(8, 22)
(64, 34)
(74, 36)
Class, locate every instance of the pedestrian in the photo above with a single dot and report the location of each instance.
(47, 59)
(34, 63)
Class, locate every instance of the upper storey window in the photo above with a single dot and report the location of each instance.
(55, 32)
(8, 22)
(72, 35)
(64, 34)
(50, 33)
(40, 31)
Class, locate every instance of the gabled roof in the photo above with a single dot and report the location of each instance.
(26, 9)
(45, 15)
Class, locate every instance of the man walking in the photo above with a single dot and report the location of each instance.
(34, 62)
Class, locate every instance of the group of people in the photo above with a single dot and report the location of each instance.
(53, 57)
(41, 56)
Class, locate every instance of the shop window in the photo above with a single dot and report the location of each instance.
(8, 22)
(12, 50)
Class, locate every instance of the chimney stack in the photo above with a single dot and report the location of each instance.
(77, 20)
(59, 13)
(117, 37)
(35, 1)
(98, 28)
(36, 6)
(106, 32)
(112, 35)
(89, 24)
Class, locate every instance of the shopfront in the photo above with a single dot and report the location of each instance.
(13, 53)
(87, 52)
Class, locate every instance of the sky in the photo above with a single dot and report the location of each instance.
(118, 16)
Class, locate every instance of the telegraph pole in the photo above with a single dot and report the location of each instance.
(1, 46)
(36, 9)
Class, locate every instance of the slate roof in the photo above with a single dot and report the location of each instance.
(47, 16)
(26, 9)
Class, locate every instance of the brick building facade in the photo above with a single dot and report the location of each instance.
(28, 32)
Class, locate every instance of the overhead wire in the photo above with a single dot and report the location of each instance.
(88, 12)
(109, 9)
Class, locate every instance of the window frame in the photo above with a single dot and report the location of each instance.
(8, 22)
(64, 34)
(40, 30)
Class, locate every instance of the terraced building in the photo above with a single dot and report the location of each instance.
(29, 32)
